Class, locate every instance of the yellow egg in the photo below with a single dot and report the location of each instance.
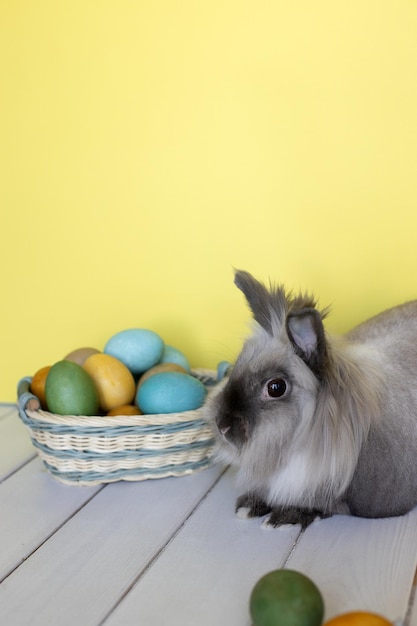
(162, 367)
(114, 382)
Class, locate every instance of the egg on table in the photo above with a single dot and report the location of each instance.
(358, 618)
(286, 597)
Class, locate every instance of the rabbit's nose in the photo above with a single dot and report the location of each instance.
(224, 430)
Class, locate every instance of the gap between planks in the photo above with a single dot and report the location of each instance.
(162, 549)
(411, 602)
(17, 468)
(51, 534)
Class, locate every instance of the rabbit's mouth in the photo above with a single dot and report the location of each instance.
(234, 429)
(223, 431)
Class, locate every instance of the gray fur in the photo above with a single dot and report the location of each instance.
(343, 435)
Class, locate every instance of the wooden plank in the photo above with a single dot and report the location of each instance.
(411, 616)
(33, 506)
(361, 564)
(7, 409)
(206, 574)
(15, 444)
(83, 570)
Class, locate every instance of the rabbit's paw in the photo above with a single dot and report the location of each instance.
(250, 505)
(291, 516)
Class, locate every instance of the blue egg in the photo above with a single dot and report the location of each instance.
(172, 355)
(170, 392)
(139, 349)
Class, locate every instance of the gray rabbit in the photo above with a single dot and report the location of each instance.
(317, 424)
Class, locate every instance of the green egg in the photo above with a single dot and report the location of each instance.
(285, 597)
(69, 390)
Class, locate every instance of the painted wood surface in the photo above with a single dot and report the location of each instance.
(411, 618)
(206, 575)
(171, 552)
(15, 445)
(361, 564)
(81, 571)
(34, 507)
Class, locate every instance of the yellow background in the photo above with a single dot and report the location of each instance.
(148, 147)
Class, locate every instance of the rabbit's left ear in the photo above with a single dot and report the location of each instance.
(269, 308)
(306, 332)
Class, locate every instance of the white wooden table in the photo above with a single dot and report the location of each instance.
(171, 552)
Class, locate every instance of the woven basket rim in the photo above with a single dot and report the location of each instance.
(100, 421)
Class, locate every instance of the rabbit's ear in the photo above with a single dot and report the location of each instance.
(266, 306)
(306, 333)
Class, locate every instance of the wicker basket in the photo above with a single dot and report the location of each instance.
(92, 450)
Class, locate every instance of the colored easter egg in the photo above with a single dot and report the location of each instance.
(80, 355)
(139, 349)
(358, 618)
(37, 385)
(114, 381)
(172, 355)
(69, 390)
(170, 392)
(125, 409)
(286, 598)
(158, 369)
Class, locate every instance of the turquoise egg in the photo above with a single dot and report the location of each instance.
(172, 355)
(170, 392)
(139, 349)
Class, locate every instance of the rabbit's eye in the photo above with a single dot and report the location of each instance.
(276, 387)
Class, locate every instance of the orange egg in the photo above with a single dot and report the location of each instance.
(358, 618)
(158, 369)
(125, 409)
(114, 381)
(37, 385)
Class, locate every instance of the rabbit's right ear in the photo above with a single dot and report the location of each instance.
(306, 332)
(266, 306)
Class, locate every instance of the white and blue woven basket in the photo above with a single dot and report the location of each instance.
(87, 450)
